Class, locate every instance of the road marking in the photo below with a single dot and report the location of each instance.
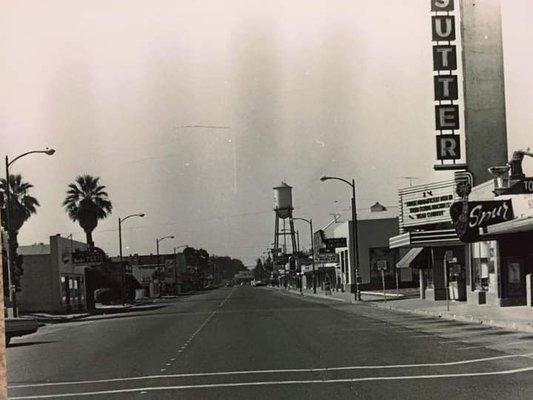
(277, 383)
(197, 331)
(497, 345)
(276, 371)
(452, 341)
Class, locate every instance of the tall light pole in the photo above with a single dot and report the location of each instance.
(176, 262)
(354, 243)
(157, 258)
(10, 244)
(310, 222)
(122, 274)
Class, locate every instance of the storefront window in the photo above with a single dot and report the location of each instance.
(484, 266)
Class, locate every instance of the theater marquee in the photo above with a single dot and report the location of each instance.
(426, 204)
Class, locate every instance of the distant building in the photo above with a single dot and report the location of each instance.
(159, 276)
(243, 276)
(373, 233)
(52, 282)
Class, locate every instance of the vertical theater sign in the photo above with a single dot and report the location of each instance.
(445, 82)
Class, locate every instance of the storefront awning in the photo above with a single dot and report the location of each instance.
(435, 238)
(524, 224)
(406, 261)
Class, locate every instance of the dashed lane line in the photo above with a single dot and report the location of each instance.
(277, 383)
(276, 371)
(182, 348)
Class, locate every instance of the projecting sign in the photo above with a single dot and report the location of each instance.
(444, 58)
(441, 5)
(326, 250)
(445, 87)
(443, 35)
(448, 147)
(328, 258)
(335, 242)
(469, 216)
(443, 28)
(446, 117)
(427, 204)
(524, 186)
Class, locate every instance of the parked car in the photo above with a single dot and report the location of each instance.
(20, 327)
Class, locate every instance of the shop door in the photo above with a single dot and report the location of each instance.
(514, 278)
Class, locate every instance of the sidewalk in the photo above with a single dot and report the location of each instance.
(101, 311)
(348, 297)
(511, 318)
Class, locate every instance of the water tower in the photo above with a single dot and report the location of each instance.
(283, 210)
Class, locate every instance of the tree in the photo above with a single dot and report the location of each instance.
(86, 203)
(227, 266)
(259, 270)
(22, 207)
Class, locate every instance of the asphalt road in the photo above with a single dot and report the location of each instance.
(261, 343)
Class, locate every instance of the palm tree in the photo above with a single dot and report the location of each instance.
(86, 203)
(22, 204)
(22, 207)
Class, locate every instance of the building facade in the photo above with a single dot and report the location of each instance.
(498, 237)
(428, 240)
(373, 233)
(52, 281)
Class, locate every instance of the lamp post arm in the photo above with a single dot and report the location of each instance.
(341, 179)
(129, 216)
(25, 154)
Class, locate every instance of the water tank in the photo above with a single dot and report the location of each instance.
(283, 200)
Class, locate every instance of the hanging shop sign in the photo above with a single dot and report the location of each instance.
(469, 217)
(335, 242)
(328, 258)
(445, 83)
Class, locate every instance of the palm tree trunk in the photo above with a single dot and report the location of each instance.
(89, 235)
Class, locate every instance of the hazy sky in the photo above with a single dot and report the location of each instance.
(306, 88)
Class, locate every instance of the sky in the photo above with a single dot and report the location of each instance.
(192, 111)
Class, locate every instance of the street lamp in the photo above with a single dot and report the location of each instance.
(354, 243)
(10, 253)
(157, 244)
(120, 221)
(157, 258)
(310, 222)
(176, 261)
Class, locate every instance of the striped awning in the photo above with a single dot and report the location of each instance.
(434, 238)
(523, 224)
(406, 260)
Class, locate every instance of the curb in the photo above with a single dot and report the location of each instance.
(310, 295)
(520, 327)
(49, 320)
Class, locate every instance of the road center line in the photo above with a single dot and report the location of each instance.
(276, 383)
(276, 371)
